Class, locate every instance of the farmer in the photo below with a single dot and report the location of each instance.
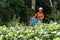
(39, 15)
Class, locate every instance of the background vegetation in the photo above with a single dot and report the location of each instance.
(22, 9)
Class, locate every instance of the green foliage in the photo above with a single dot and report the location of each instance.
(56, 16)
(14, 21)
(56, 38)
(41, 31)
(9, 8)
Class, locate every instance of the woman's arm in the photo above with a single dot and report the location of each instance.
(42, 16)
(35, 15)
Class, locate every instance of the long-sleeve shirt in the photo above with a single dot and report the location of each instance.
(39, 15)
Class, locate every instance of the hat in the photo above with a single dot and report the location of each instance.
(40, 8)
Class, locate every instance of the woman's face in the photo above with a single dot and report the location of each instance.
(40, 10)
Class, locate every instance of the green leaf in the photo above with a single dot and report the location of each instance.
(56, 38)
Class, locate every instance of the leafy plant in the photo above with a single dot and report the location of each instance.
(14, 21)
(41, 31)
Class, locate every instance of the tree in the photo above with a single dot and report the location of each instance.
(9, 8)
(54, 9)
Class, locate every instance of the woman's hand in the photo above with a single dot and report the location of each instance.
(41, 18)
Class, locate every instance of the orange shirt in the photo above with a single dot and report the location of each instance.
(39, 15)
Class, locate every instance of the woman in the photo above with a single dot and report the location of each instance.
(39, 15)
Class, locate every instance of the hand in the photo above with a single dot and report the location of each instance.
(40, 18)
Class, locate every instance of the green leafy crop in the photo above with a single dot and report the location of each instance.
(41, 31)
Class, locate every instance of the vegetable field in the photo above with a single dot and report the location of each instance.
(41, 31)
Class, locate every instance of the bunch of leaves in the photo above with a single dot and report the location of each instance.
(41, 31)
